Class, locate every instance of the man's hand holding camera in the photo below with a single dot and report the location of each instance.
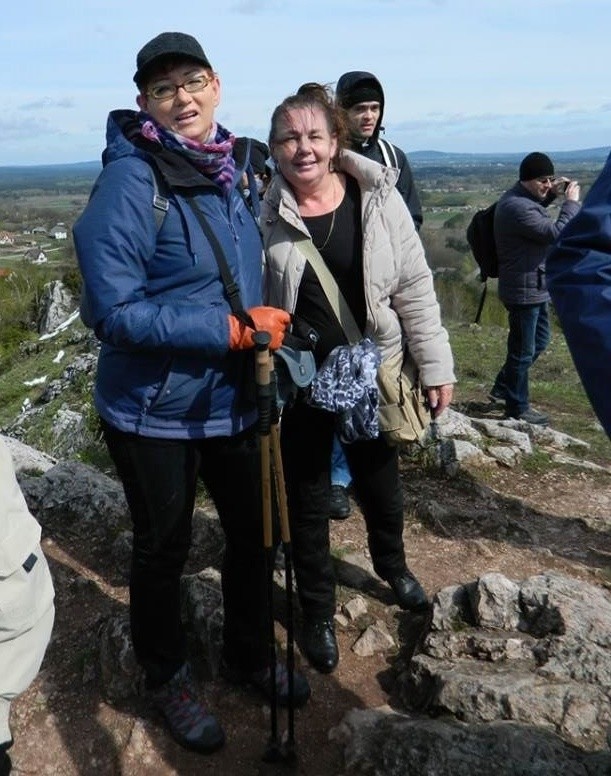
(564, 186)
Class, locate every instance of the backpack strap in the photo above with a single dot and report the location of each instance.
(482, 299)
(388, 152)
(161, 204)
(231, 287)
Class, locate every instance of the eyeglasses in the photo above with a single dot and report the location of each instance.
(546, 179)
(163, 92)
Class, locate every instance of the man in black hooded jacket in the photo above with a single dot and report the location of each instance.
(362, 97)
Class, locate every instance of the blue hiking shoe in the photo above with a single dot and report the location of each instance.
(190, 724)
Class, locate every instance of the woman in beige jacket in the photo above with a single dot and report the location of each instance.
(350, 208)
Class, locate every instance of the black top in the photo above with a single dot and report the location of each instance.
(343, 255)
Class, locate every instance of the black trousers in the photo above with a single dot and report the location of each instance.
(160, 478)
(307, 439)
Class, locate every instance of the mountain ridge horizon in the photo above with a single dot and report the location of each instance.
(594, 153)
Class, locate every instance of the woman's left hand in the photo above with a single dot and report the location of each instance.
(440, 397)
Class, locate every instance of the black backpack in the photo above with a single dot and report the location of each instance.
(480, 236)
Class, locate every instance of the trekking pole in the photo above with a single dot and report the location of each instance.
(285, 535)
(264, 405)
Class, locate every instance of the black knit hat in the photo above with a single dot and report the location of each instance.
(259, 153)
(168, 44)
(535, 165)
(366, 90)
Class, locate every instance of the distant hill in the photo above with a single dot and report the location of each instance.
(45, 176)
(51, 170)
(443, 158)
(84, 173)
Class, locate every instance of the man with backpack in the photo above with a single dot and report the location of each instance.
(362, 97)
(523, 231)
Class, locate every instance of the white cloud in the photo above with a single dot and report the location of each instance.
(458, 74)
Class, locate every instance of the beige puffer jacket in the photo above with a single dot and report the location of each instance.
(26, 586)
(399, 293)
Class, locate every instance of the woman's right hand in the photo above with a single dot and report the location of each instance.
(271, 319)
(439, 397)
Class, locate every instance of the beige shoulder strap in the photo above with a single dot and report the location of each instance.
(332, 291)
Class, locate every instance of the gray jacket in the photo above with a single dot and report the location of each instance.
(399, 292)
(523, 232)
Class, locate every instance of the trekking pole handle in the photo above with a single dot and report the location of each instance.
(263, 380)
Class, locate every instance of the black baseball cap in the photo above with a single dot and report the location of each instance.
(168, 44)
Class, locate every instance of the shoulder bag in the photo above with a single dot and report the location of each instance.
(403, 413)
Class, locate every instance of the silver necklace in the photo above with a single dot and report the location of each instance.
(330, 232)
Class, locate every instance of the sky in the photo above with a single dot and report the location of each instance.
(458, 75)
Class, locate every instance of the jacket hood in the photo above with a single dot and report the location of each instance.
(356, 79)
(122, 129)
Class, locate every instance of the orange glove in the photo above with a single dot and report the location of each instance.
(270, 319)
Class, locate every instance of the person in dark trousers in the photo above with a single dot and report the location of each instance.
(173, 369)
(579, 281)
(347, 208)
(523, 232)
(362, 97)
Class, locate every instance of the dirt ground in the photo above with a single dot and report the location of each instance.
(517, 524)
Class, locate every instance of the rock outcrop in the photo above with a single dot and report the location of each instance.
(512, 677)
(56, 306)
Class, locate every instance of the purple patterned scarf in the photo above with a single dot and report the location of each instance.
(213, 158)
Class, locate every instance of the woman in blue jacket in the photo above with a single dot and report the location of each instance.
(172, 361)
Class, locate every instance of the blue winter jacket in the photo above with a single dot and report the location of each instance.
(579, 281)
(157, 301)
(523, 233)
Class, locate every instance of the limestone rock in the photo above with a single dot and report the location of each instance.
(537, 653)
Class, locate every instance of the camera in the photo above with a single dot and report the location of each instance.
(561, 184)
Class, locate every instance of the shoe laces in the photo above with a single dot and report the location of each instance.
(319, 626)
(177, 699)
